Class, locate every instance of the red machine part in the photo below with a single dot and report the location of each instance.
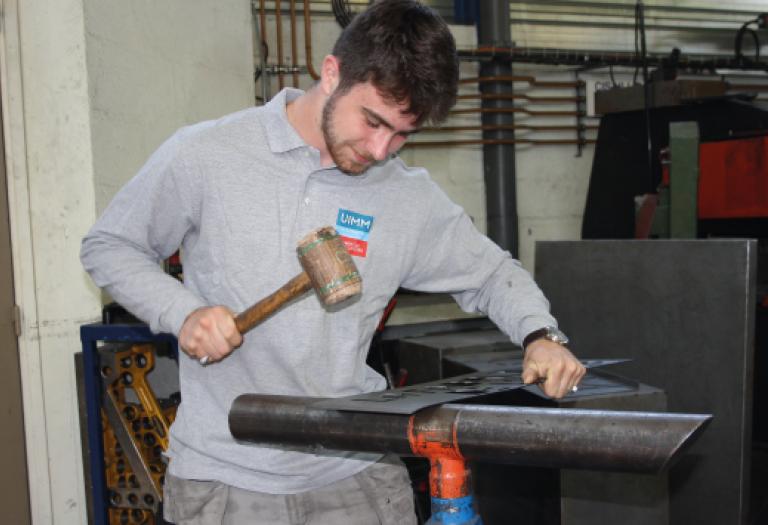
(733, 179)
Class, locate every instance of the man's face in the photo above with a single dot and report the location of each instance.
(361, 127)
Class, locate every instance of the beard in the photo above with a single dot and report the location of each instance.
(344, 162)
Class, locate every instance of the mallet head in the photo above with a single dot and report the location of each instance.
(327, 262)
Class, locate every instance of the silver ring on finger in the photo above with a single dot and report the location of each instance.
(204, 360)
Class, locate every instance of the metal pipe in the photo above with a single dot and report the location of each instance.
(747, 87)
(308, 42)
(486, 110)
(523, 127)
(294, 46)
(470, 142)
(475, 142)
(263, 51)
(263, 25)
(292, 422)
(521, 78)
(511, 96)
(539, 437)
(279, 38)
(493, 28)
(599, 58)
(451, 497)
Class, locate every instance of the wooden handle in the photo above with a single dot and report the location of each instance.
(261, 310)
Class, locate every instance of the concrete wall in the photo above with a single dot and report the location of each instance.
(155, 66)
(90, 88)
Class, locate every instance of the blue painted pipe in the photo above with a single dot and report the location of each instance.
(454, 511)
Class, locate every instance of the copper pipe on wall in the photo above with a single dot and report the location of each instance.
(260, 30)
(507, 78)
(523, 127)
(468, 142)
(294, 51)
(308, 42)
(747, 87)
(279, 38)
(517, 110)
(263, 24)
(516, 96)
(518, 78)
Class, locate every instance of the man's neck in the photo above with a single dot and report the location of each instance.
(305, 114)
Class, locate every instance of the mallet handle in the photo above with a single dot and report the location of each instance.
(261, 310)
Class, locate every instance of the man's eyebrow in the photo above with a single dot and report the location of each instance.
(384, 122)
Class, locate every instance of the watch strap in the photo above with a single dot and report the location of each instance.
(551, 333)
(533, 336)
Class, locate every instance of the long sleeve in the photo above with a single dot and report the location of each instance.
(456, 258)
(145, 223)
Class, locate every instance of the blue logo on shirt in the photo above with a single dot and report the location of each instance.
(349, 220)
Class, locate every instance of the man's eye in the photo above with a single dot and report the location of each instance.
(372, 124)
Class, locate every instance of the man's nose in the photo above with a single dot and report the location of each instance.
(379, 145)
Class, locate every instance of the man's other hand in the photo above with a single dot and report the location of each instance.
(209, 334)
(553, 366)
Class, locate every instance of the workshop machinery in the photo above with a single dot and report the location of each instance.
(135, 433)
(698, 167)
(126, 422)
(126, 467)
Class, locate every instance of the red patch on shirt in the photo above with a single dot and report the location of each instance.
(355, 246)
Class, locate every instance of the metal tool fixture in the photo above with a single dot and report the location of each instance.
(136, 427)
(452, 434)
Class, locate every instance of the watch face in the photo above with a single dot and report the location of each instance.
(556, 335)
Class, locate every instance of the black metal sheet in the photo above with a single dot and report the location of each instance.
(593, 383)
(683, 311)
(407, 400)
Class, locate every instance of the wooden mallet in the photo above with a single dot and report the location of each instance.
(328, 268)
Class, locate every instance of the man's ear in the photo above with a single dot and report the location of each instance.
(329, 74)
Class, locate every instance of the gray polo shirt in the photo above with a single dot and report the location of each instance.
(237, 194)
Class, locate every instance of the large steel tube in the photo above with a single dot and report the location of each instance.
(568, 438)
(542, 437)
(293, 422)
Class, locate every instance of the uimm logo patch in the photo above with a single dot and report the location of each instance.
(354, 229)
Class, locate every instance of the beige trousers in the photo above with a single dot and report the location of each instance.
(379, 495)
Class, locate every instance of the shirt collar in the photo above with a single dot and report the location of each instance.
(281, 135)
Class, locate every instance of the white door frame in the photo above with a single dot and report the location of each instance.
(11, 81)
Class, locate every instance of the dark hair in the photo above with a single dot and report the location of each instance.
(407, 52)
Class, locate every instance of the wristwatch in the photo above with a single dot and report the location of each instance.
(552, 333)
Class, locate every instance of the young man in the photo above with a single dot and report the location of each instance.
(237, 194)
